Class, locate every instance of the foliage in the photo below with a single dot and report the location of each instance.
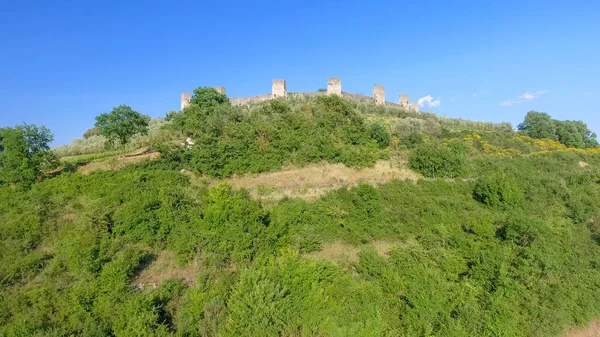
(413, 139)
(570, 133)
(121, 124)
(498, 189)
(513, 249)
(25, 153)
(158, 132)
(381, 135)
(437, 161)
(93, 132)
(230, 140)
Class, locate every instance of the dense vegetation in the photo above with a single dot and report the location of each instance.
(509, 247)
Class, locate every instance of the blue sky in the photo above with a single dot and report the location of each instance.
(64, 62)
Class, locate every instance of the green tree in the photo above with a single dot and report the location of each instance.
(207, 97)
(121, 124)
(575, 134)
(24, 153)
(538, 125)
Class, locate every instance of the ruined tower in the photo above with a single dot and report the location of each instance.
(185, 100)
(414, 106)
(334, 86)
(404, 100)
(279, 88)
(379, 94)
(221, 90)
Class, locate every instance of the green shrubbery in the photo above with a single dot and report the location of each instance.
(510, 250)
(232, 140)
(438, 161)
(498, 190)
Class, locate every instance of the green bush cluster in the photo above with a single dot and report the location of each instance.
(498, 190)
(232, 140)
(438, 161)
(510, 250)
(71, 248)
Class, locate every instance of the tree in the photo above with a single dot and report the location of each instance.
(205, 102)
(538, 125)
(571, 133)
(24, 153)
(206, 97)
(575, 134)
(121, 124)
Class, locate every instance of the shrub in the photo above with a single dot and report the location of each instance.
(437, 161)
(413, 139)
(498, 190)
(93, 132)
(381, 135)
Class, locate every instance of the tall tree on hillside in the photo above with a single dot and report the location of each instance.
(575, 134)
(121, 124)
(24, 153)
(538, 125)
(571, 133)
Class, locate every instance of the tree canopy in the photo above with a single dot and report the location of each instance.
(570, 133)
(121, 124)
(24, 152)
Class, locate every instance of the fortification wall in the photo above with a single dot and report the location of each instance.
(334, 87)
(251, 99)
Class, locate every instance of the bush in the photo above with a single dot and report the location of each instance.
(437, 161)
(381, 135)
(498, 190)
(413, 139)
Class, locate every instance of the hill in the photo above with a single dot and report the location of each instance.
(316, 216)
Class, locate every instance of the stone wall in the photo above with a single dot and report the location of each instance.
(334, 87)
(251, 99)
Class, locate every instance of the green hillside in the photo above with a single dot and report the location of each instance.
(499, 235)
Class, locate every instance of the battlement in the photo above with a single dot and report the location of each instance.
(334, 87)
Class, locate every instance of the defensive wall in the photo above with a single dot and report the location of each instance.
(334, 87)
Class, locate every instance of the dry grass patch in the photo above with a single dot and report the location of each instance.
(166, 267)
(117, 162)
(342, 253)
(593, 330)
(313, 181)
(337, 252)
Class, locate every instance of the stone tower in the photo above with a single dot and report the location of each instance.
(279, 88)
(185, 100)
(221, 90)
(334, 86)
(404, 100)
(414, 106)
(379, 94)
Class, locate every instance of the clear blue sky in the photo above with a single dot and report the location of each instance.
(65, 62)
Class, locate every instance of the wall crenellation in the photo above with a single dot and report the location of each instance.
(334, 87)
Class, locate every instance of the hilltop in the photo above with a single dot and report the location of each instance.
(301, 216)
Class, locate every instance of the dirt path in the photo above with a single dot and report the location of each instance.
(593, 330)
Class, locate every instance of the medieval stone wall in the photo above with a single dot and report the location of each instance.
(334, 87)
